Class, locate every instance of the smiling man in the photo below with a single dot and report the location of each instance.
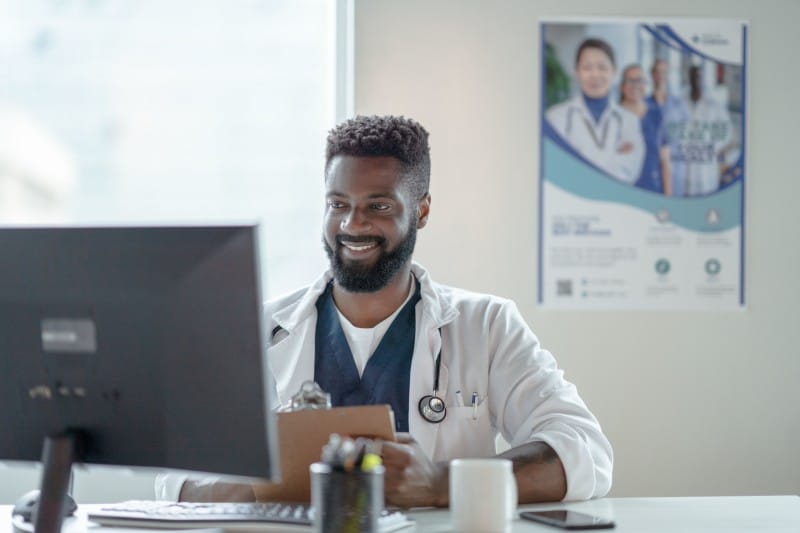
(458, 368)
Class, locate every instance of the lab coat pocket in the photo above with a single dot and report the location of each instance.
(467, 431)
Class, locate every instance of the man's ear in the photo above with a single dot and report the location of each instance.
(423, 210)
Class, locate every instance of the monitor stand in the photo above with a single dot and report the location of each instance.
(57, 457)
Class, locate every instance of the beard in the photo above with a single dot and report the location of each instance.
(355, 276)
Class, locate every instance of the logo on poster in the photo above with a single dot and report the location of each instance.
(710, 39)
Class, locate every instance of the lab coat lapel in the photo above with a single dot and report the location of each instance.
(291, 349)
(292, 360)
(433, 313)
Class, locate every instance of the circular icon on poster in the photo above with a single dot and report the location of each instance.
(662, 266)
(713, 267)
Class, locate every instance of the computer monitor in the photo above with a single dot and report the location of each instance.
(135, 346)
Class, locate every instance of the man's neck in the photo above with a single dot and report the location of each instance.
(660, 94)
(368, 309)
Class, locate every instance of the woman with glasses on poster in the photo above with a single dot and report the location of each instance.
(656, 169)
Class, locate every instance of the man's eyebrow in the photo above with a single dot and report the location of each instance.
(388, 194)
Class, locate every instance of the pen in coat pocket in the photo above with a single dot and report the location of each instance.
(474, 405)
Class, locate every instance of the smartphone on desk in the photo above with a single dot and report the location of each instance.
(568, 519)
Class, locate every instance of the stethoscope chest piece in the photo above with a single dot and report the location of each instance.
(432, 408)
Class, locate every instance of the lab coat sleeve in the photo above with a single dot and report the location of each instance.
(532, 401)
(168, 485)
(726, 126)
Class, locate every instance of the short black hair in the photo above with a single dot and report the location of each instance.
(399, 137)
(599, 44)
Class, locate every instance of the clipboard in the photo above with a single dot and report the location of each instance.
(301, 436)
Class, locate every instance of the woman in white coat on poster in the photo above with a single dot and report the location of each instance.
(603, 132)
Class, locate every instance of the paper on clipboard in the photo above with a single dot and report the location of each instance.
(302, 434)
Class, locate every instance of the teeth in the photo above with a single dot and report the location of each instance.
(359, 247)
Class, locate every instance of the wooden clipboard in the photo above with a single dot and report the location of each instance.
(301, 436)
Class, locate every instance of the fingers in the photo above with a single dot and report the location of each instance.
(404, 438)
(396, 455)
(396, 459)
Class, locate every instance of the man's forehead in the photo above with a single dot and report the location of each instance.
(363, 164)
(372, 172)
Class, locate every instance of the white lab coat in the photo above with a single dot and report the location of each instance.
(599, 141)
(486, 348)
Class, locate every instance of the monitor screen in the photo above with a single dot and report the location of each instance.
(143, 343)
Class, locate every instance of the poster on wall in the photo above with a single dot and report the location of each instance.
(642, 164)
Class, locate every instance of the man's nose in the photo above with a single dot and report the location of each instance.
(355, 221)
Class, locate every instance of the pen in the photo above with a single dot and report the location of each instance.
(459, 399)
(474, 405)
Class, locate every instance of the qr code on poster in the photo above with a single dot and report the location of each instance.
(564, 287)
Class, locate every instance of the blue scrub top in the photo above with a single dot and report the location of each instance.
(387, 374)
(652, 124)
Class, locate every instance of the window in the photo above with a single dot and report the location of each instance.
(187, 111)
(197, 111)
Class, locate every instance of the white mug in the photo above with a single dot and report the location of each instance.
(483, 495)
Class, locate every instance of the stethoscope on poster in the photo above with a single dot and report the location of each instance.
(601, 141)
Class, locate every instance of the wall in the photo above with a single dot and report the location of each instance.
(694, 403)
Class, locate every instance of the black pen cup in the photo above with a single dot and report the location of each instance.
(345, 502)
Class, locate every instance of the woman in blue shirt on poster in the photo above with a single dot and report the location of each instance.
(656, 170)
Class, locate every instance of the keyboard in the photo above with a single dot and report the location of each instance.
(228, 516)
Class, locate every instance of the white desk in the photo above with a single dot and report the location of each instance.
(761, 514)
(772, 514)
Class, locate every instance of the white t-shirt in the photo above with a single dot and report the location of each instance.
(364, 341)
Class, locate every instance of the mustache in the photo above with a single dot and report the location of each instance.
(354, 239)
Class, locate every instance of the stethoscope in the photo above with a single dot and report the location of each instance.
(600, 142)
(431, 406)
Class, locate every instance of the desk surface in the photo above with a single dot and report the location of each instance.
(642, 515)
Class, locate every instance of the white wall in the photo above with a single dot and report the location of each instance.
(694, 403)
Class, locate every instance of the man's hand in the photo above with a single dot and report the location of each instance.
(411, 479)
(214, 490)
(539, 472)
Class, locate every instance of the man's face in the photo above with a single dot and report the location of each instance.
(660, 73)
(695, 80)
(594, 72)
(371, 221)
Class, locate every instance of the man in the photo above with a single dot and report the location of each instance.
(676, 118)
(377, 329)
(707, 139)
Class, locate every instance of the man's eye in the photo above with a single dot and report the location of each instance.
(380, 207)
(333, 204)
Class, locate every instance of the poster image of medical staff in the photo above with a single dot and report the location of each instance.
(642, 163)
(643, 106)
